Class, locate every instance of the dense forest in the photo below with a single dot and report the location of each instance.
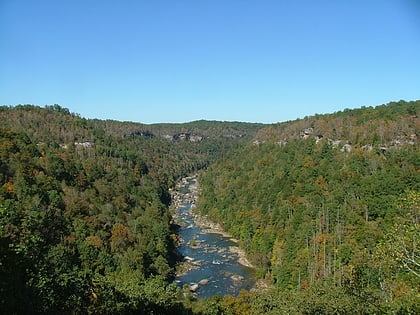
(326, 207)
(84, 210)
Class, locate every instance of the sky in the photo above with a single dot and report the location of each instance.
(230, 60)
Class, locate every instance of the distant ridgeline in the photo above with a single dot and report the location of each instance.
(327, 207)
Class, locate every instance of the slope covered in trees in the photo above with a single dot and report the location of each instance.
(84, 219)
(327, 208)
(331, 201)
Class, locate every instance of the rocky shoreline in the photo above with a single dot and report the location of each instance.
(208, 226)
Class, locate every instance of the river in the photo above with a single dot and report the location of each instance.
(213, 263)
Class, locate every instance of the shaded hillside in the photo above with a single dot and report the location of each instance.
(311, 201)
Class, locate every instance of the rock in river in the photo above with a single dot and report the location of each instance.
(194, 287)
(237, 278)
(203, 282)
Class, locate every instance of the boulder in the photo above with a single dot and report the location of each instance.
(203, 282)
(194, 287)
(237, 278)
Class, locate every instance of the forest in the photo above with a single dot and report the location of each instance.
(326, 208)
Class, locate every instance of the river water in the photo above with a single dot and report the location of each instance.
(211, 262)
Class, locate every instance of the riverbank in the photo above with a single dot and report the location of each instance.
(212, 263)
(208, 226)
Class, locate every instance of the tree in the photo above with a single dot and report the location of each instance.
(401, 245)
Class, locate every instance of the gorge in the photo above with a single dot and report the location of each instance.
(213, 264)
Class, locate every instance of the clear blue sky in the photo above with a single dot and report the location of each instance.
(183, 60)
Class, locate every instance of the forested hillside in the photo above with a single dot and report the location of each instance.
(84, 219)
(327, 208)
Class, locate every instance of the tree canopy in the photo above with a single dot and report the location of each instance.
(326, 207)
